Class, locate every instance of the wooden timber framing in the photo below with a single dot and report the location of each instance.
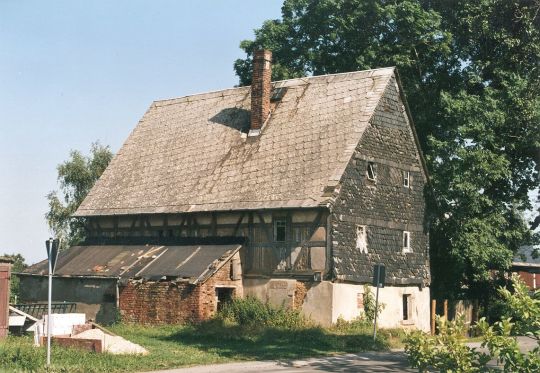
(261, 254)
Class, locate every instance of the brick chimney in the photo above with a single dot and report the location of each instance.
(261, 89)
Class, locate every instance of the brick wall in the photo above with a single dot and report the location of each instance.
(384, 205)
(261, 88)
(167, 302)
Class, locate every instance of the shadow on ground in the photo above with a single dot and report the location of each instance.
(267, 343)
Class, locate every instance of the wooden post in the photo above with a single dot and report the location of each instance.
(445, 306)
(433, 313)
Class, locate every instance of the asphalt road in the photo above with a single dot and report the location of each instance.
(370, 362)
(362, 362)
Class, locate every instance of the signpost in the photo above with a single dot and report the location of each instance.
(379, 274)
(52, 254)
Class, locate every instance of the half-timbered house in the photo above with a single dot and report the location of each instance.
(287, 191)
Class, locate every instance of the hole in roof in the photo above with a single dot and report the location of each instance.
(234, 118)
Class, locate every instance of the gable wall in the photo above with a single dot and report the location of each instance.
(385, 206)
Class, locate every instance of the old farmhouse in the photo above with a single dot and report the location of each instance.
(287, 191)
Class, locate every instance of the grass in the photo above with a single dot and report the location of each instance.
(224, 339)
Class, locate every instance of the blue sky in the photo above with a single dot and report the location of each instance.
(73, 72)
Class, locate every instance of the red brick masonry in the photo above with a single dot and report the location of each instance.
(168, 302)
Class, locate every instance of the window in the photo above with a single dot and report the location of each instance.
(406, 179)
(371, 171)
(280, 230)
(361, 238)
(407, 307)
(406, 242)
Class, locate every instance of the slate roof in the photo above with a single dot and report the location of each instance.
(192, 153)
(195, 263)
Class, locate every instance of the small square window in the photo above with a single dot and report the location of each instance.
(280, 230)
(406, 242)
(361, 238)
(371, 171)
(406, 179)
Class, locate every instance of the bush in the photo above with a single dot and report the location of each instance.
(369, 305)
(446, 352)
(251, 312)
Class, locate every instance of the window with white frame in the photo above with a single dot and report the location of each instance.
(371, 171)
(406, 242)
(361, 238)
(406, 179)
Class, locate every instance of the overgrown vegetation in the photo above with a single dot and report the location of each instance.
(446, 352)
(245, 330)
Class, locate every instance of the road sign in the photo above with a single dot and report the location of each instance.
(379, 275)
(52, 252)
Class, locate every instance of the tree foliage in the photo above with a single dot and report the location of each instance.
(76, 177)
(18, 265)
(470, 73)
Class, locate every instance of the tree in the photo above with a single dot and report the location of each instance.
(76, 176)
(470, 73)
(18, 265)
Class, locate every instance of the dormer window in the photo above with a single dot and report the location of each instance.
(371, 171)
(406, 179)
(406, 242)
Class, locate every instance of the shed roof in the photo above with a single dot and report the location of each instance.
(195, 263)
(193, 154)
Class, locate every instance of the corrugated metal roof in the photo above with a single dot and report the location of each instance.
(194, 263)
(192, 154)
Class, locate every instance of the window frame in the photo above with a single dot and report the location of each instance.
(407, 305)
(371, 167)
(362, 228)
(406, 179)
(406, 242)
(278, 221)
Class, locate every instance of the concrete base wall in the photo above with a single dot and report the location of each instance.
(325, 302)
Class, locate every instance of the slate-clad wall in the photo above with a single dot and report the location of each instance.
(385, 206)
(167, 302)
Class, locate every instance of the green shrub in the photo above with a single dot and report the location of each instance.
(251, 312)
(369, 305)
(446, 352)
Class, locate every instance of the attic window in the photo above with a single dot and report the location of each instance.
(371, 171)
(406, 242)
(406, 179)
(278, 93)
(361, 239)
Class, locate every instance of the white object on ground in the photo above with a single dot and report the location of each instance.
(111, 343)
(61, 324)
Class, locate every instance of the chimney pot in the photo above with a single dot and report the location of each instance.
(261, 89)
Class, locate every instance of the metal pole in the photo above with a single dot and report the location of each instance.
(376, 304)
(49, 317)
